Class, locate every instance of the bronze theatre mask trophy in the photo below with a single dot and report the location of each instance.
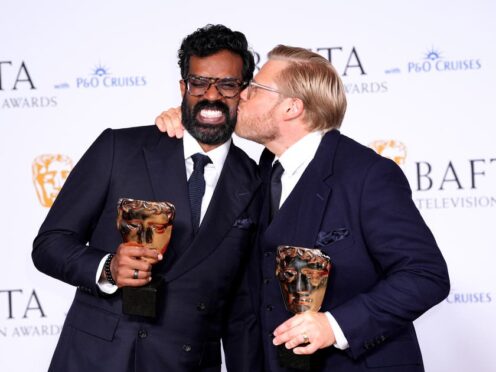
(302, 274)
(148, 224)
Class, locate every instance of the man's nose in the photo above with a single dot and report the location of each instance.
(212, 94)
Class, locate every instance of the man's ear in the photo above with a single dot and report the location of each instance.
(182, 85)
(293, 108)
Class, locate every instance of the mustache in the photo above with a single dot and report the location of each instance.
(209, 105)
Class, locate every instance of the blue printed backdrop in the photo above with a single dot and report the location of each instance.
(419, 77)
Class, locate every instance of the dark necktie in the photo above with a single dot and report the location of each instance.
(196, 187)
(275, 188)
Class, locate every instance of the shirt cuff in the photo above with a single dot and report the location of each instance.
(102, 282)
(341, 341)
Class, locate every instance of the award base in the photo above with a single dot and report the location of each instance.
(288, 359)
(142, 301)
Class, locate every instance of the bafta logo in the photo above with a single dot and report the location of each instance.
(49, 174)
(391, 149)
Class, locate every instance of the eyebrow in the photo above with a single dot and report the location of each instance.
(218, 78)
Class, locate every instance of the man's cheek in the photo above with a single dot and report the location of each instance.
(233, 112)
(233, 107)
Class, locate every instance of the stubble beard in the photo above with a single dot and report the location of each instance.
(260, 129)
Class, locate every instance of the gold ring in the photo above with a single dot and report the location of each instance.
(135, 274)
(306, 340)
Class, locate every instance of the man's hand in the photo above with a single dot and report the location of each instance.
(314, 325)
(130, 257)
(170, 121)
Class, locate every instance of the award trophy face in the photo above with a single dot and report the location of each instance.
(303, 275)
(147, 224)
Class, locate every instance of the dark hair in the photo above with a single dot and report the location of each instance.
(211, 39)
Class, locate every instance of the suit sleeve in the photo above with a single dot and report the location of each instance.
(413, 272)
(60, 249)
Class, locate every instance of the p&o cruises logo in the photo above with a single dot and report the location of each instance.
(102, 77)
(460, 298)
(435, 61)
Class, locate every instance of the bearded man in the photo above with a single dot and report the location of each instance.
(212, 185)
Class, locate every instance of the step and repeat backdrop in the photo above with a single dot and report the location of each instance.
(420, 80)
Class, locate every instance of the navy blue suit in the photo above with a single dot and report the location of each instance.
(386, 267)
(204, 297)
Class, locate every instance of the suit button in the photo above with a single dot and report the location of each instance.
(187, 348)
(142, 333)
(268, 254)
(201, 307)
(269, 307)
(266, 280)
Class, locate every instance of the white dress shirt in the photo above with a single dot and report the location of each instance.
(294, 161)
(211, 174)
(212, 170)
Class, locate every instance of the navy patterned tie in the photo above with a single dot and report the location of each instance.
(196, 187)
(275, 188)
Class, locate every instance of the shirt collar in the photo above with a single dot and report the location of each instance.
(300, 153)
(217, 156)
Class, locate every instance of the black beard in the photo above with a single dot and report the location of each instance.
(206, 133)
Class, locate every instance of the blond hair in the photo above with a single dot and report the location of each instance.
(311, 78)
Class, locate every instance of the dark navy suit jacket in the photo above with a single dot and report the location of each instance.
(386, 267)
(204, 297)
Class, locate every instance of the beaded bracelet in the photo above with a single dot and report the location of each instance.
(106, 268)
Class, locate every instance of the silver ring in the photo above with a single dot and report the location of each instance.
(135, 274)
(306, 340)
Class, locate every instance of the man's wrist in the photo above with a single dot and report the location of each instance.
(107, 271)
(101, 279)
(341, 341)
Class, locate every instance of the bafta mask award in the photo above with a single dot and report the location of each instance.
(302, 274)
(148, 224)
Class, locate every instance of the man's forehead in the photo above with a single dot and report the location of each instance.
(221, 64)
(269, 71)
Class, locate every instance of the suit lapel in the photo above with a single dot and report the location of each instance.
(167, 172)
(298, 222)
(232, 194)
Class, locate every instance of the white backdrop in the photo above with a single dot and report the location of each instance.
(420, 78)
